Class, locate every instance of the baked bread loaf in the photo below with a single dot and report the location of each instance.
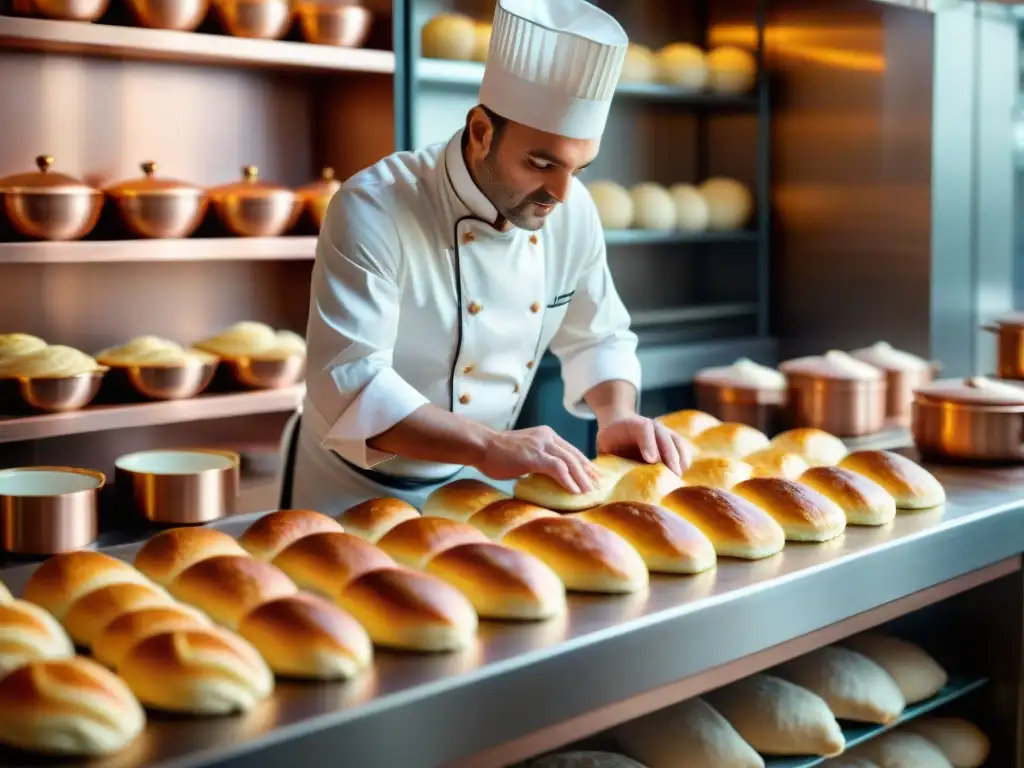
(410, 611)
(863, 501)
(653, 207)
(615, 466)
(688, 423)
(305, 637)
(28, 633)
(90, 613)
(648, 483)
(910, 484)
(854, 687)
(731, 70)
(501, 582)
(415, 542)
(448, 36)
(639, 65)
(816, 446)
(735, 527)
(373, 518)
(731, 440)
(227, 587)
(779, 718)
(5, 594)
(497, 519)
(119, 636)
(613, 202)
(692, 212)
(62, 579)
(549, 493)
(461, 499)
(683, 65)
(170, 552)
(271, 534)
(582, 760)
(587, 557)
(198, 671)
(773, 462)
(902, 749)
(325, 562)
(70, 707)
(917, 674)
(730, 203)
(667, 542)
(963, 743)
(803, 513)
(717, 472)
(691, 733)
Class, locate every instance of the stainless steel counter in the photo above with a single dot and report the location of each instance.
(422, 711)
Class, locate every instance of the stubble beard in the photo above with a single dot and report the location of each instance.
(516, 211)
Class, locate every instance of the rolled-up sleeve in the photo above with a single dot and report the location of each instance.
(354, 392)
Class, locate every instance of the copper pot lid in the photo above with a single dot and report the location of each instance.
(833, 365)
(974, 390)
(321, 189)
(151, 184)
(743, 374)
(44, 181)
(251, 187)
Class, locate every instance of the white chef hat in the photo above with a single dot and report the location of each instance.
(553, 65)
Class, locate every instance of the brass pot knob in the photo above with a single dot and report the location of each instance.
(44, 162)
(148, 168)
(250, 172)
(327, 174)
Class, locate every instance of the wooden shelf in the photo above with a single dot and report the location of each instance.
(111, 41)
(197, 249)
(669, 237)
(101, 418)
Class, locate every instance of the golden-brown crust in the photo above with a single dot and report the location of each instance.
(461, 499)
(229, 586)
(268, 536)
(497, 519)
(863, 501)
(803, 513)
(688, 423)
(910, 484)
(5, 594)
(717, 472)
(550, 494)
(775, 462)
(816, 446)
(373, 518)
(27, 633)
(587, 557)
(326, 562)
(730, 439)
(64, 578)
(414, 542)
(648, 484)
(735, 527)
(118, 637)
(170, 552)
(615, 466)
(90, 613)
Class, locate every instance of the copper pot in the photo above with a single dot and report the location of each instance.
(50, 206)
(51, 395)
(274, 373)
(157, 207)
(901, 381)
(263, 19)
(164, 382)
(314, 198)
(1009, 331)
(179, 487)
(72, 10)
(326, 23)
(844, 407)
(252, 208)
(962, 421)
(180, 15)
(760, 408)
(46, 510)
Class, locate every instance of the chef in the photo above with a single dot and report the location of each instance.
(443, 275)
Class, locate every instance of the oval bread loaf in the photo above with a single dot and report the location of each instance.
(170, 552)
(272, 533)
(62, 579)
(326, 562)
(373, 518)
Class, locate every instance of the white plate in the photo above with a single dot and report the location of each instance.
(44, 482)
(173, 462)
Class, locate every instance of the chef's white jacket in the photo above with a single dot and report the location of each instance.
(417, 299)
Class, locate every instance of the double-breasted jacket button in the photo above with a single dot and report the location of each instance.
(475, 307)
(535, 307)
(533, 239)
(531, 364)
(468, 369)
(464, 398)
(468, 237)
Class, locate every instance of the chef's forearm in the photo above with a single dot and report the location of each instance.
(611, 400)
(433, 434)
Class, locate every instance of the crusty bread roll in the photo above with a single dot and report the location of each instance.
(28, 633)
(227, 587)
(917, 674)
(497, 519)
(902, 749)
(717, 472)
(730, 203)
(817, 447)
(587, 557)
(198, 671)
(803, 513)
(449, 36)
(325, 562)
(735, 527)
(373, 518)
(5, 594)
(303, 636)
(910, 484)
(614, 204)
(586, 759)
(691, 733)
(170, 552)
(863, 501)
(90, 613)
(653, 207)
(648, 483)
(271, 534)
(501, 582)
(62, 579)
(682, 65)
(692, 213)
(774, 462)
(481, 40)
(731, 70)
(667, 542)
(777, 717)
(119, 636)
(731, 440)
(415, 542)
(68, 707)
(688, 423)
(964, 744)
(615, 466)
(855, 687)
(409, 610)
(461, 499)
(550, 494)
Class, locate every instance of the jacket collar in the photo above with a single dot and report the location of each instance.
(468, 193)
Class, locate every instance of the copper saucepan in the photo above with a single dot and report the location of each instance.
(901, 378)
(974, 420)
(46, 510)
(822, 393)
(181, 486)
(760, 408)
(1009, 331)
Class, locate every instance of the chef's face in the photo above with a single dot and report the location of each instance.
(524, 172)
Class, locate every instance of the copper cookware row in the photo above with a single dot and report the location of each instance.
(48, 205)
(977, 419)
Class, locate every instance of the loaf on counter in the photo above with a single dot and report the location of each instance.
(170, 552)
(29, 633)
(272, 533)
(917, 674)
(461, 499)
(731, 440)
(803, 513)
(373, 518)
(93, 611)
(414, 542)
(550, 494)
(117, 638)
(910, 484)
(62, 579)
(816, 446)
(326, 562)
(498, 518)
(863, 501)
(717, 472)
(648, 483)
(735, 527)
(688, 423)
(775, 462)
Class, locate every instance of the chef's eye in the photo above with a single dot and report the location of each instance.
(540, 165)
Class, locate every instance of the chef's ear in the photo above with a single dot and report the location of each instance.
(483, 127)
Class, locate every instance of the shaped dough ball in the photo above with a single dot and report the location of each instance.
(614, 204)
(729, 203)
(731, 70)
(692, 213)
(654, 207)
(683, 65)
(639, 66)
(449, 36)
(481, 41)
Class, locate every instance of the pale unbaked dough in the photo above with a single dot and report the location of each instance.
(963, 743)
(692, 213)
(653, 207)
(614, 204)
(729, 203)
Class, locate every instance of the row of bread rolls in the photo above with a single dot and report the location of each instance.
(725, 69)
(933, 741)
(718, 204)
(455, 36)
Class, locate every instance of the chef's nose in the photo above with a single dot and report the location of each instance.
(560, 186)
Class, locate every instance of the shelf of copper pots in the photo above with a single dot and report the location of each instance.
(180, 15)
(156, 207)
(259, 19)
(316, 196)
(254, 208)
(47, 205)
(344, 24)
(62, 10)
(291, 248)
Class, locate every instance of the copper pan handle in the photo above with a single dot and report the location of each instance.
(990, 328)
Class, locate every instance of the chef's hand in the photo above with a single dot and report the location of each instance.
(537, 450)
(634, 436)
